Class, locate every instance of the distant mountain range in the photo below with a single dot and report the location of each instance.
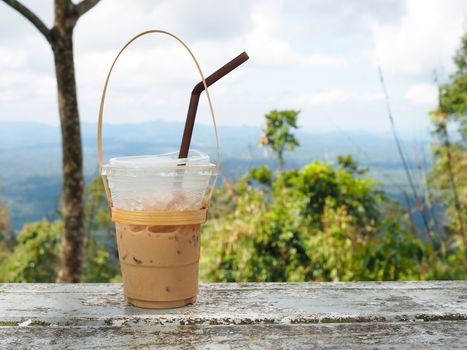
(30, 156)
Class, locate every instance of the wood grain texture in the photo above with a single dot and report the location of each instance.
(245, 315)
(380, 335)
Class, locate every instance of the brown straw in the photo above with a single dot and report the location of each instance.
(194, 100)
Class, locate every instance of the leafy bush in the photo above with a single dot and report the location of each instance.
(36, 255)
(317, 223)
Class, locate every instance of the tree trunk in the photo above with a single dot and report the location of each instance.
(72, 170)
(60, 37)
(280, 157)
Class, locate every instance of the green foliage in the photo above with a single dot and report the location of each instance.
(449, 173)
(36, 256)
(318, 181)
(101, 263)
(453, 94)
(277, 132)
(262, 174)
(7, 237)
(347, 162)
(317, 223)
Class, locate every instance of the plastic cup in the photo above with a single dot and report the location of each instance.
(159, 263)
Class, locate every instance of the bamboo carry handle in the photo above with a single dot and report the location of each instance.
(155, 217)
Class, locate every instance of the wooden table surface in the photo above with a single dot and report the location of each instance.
(356, 315)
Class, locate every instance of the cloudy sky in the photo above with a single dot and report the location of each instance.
(317, 56)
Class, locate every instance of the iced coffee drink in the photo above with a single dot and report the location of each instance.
(159, 261)
(159, 264)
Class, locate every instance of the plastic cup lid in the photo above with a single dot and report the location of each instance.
(195, 159)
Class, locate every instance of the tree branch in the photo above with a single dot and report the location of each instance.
(84, 6)
(31, 16)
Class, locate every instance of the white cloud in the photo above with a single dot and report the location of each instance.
(154, 76)
(331, 97)
(423, 94)
(12, 58)
(425, 38)
(315, 52)
(269, 47)
(24, 84)
(7, 96)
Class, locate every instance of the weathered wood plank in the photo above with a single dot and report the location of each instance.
(359, 315)
(381, 335)
(246, 303)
